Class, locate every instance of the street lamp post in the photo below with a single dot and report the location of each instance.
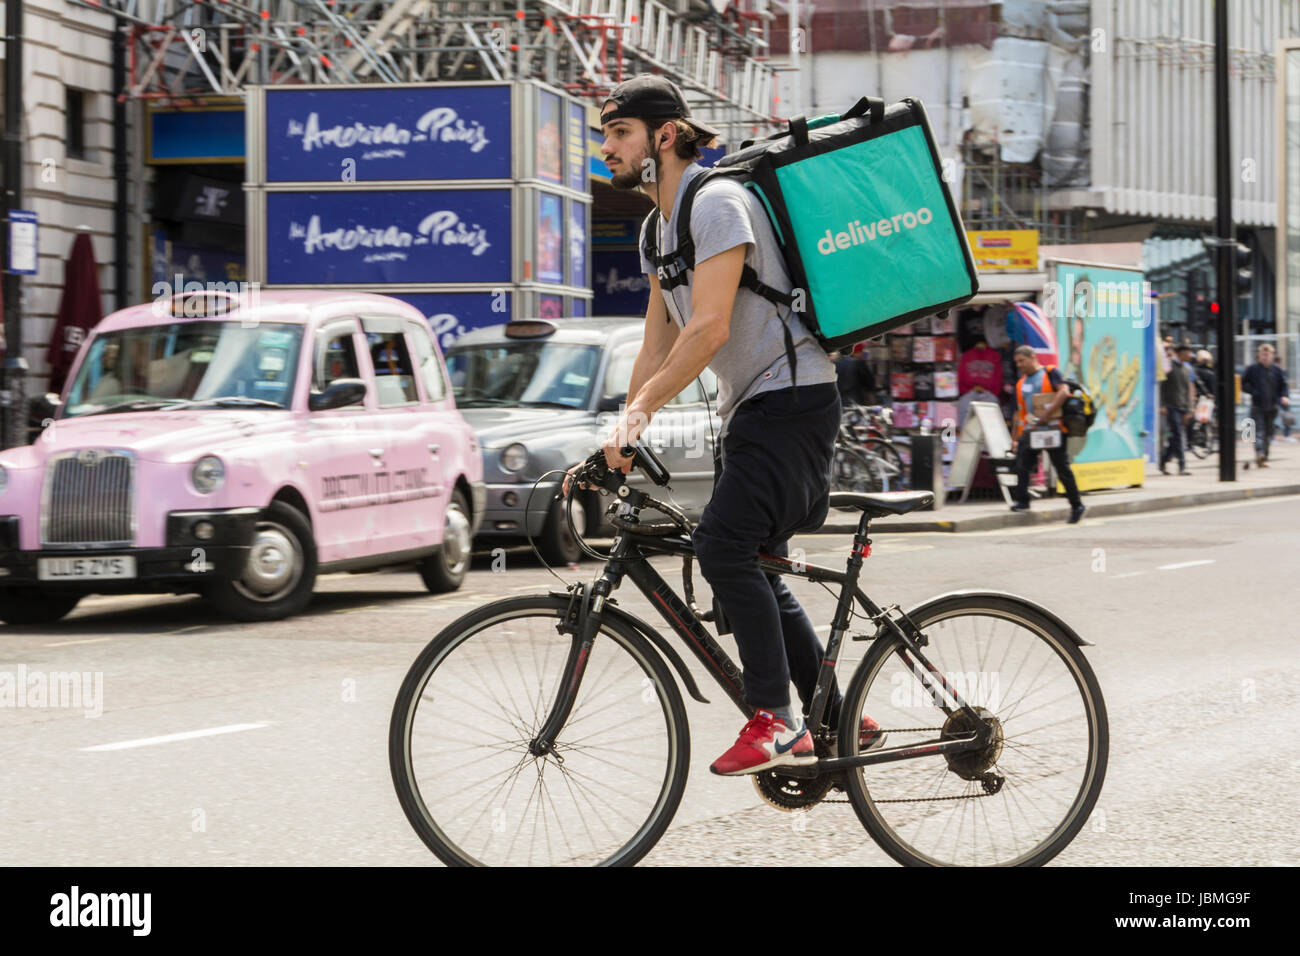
(13, 388)
(1225, 249)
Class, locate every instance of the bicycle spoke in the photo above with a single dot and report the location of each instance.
(480, 704)
(938, 815)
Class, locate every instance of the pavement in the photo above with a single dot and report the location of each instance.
(1201, 487)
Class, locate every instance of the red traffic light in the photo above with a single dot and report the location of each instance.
(1214, 308)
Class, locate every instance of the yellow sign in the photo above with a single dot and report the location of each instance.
(1091, 475)
(1004, 250)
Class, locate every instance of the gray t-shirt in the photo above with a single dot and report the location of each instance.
(753, 360)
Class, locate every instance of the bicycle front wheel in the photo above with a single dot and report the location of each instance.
(479, 693)
(1020, 800)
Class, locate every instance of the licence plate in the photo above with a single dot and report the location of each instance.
(85, 568)
(1046, 438)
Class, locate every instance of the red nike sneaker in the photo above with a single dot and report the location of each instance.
(763, 743)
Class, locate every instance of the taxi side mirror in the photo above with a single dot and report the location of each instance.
(338, 394)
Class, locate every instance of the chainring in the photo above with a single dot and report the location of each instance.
(789, 793)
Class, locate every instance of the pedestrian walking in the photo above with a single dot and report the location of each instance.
(1036, 379)
(1177, 396)
(854, 378)
(1266, 384)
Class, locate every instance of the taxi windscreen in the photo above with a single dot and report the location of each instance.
(523, 373)
(188, 363)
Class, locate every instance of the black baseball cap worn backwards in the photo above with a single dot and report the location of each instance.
(652, 97)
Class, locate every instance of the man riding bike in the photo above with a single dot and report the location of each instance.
(773, 465)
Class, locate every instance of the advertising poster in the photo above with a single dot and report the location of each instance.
(549, 164)
(576, 138)
(550, 307)
(618, 285)
(452, 314)
(192, 263)
(413, 236)
(577, 244)
(550, 238)
(1101, 324)
(365, 135)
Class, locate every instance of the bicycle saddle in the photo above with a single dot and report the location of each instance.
(883, 502)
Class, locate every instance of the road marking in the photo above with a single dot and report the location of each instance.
(1184, 564)
(1130, 574)
(186, 630)
(169, 738)
(89, 640)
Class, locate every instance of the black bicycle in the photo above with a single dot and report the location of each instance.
(549, 729)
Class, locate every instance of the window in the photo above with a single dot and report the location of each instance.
(618, 375)
(394, 378)
(74, 123)
(426, 356)
(336, 357)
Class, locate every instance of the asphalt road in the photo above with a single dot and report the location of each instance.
(280, 753)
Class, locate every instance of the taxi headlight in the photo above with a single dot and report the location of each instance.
(208, 474)
(514, 457)
(4, 479)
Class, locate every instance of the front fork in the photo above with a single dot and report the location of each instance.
(582, 620)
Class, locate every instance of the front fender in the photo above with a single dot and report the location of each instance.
(1007, 597)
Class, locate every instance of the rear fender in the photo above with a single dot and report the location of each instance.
(1009, 598)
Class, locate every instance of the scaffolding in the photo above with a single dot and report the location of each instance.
(184, 51)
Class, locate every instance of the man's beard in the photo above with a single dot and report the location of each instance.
(630, 178)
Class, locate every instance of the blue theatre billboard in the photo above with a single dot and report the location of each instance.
(394, 133)
(407, 237)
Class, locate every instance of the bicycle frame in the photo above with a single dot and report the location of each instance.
(629, 558)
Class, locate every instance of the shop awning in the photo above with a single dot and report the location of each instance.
(1008, 287)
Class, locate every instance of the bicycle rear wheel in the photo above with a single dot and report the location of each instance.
(477, 695)
(1021, 671)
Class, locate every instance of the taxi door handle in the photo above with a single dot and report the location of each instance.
(376, 453)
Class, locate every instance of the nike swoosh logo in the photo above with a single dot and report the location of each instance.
(779, 749)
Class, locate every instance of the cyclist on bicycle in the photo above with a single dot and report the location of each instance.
(773, 468)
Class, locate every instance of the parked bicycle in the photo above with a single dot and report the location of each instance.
(855, 469)
(550, 728)
(873, 427)
(1203, 436)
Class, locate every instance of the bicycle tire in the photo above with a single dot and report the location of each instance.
(550, 610)
(939, 611)
(884, 449)
(1198, 441)
(855, 471)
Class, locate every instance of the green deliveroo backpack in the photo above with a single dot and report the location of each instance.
(866, 222)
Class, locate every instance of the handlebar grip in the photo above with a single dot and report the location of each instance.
(648, 462)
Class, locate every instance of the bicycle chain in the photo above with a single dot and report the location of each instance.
(906, 730)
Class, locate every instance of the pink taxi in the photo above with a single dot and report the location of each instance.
(238, 446)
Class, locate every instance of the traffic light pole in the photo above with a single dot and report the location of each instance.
(1225, 247)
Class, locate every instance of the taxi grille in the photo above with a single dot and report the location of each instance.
(89, 503)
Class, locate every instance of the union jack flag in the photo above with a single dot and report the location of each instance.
(1036, 330)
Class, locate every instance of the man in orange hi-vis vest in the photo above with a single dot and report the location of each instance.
(1034, 380)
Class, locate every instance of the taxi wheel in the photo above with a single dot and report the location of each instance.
(556, 544)
(34, 605)
(278, 578)
(445, 571)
